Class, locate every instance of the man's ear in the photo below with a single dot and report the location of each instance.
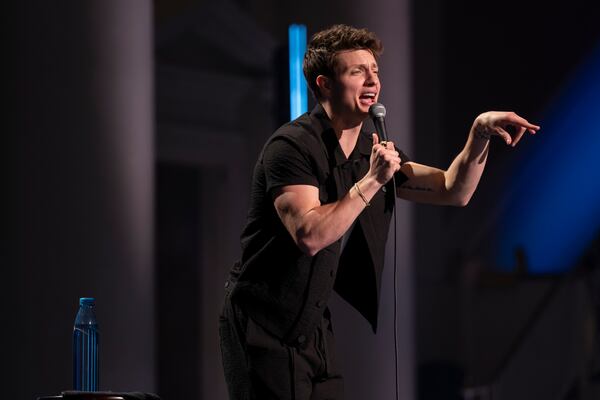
(324, 85)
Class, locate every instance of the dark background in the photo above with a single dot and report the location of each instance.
(133, 128)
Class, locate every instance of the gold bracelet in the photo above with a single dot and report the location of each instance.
(362, 196)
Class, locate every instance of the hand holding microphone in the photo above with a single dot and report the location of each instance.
(377, 113)
(385, 160)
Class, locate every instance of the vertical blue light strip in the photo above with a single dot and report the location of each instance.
(297, 46)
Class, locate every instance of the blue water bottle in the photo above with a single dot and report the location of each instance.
(85, 347)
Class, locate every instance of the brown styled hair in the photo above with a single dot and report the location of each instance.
(320, 57)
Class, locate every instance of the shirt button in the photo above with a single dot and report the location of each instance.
(384, 189)
(320, 303)
(227, 284)
(301, 339)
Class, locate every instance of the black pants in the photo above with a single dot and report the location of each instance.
(258, 366)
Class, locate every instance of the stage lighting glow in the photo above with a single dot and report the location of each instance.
(298, 90)
(553, 209)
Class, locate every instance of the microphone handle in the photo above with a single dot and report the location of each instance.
(379, 123)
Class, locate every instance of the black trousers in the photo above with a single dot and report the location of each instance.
(258, 366)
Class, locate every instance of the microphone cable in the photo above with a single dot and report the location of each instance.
(377, 113)
(395, 288)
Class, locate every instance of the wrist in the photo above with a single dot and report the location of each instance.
(480, 129)
(361, 194)
(480, 132)
(369, 186)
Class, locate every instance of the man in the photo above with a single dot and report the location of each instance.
(321, 201)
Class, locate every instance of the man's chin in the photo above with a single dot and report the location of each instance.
(363, 111)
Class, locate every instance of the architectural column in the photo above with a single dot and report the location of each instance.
(82, 190)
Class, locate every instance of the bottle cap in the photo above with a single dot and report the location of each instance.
(87, 301)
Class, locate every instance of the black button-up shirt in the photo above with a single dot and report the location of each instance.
(281, 288)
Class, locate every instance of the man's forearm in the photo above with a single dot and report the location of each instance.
(325, 224)
(463, 175)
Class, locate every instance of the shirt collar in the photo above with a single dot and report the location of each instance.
(332, 145)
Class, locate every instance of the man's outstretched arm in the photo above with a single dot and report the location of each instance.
(456, 185)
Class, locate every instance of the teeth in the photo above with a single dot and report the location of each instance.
(369, 95)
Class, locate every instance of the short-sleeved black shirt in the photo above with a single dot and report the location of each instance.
(281, 288)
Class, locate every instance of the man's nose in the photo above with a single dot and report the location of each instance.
(371, 79)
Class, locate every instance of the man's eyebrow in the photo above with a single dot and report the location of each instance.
(372, 65)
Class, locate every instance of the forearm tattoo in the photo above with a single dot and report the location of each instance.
(480, 133)
(417, 188)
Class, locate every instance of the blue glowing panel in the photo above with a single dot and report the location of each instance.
(298, 91)
(553, 211)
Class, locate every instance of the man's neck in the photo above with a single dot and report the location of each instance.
(346, 129)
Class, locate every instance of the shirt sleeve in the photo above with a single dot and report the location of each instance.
(399, 176)
(403, 157)
(285, 164)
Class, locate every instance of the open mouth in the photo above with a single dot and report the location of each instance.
(367, 98)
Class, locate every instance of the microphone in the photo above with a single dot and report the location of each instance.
(377, 113)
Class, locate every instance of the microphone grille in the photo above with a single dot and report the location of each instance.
(377, 110)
